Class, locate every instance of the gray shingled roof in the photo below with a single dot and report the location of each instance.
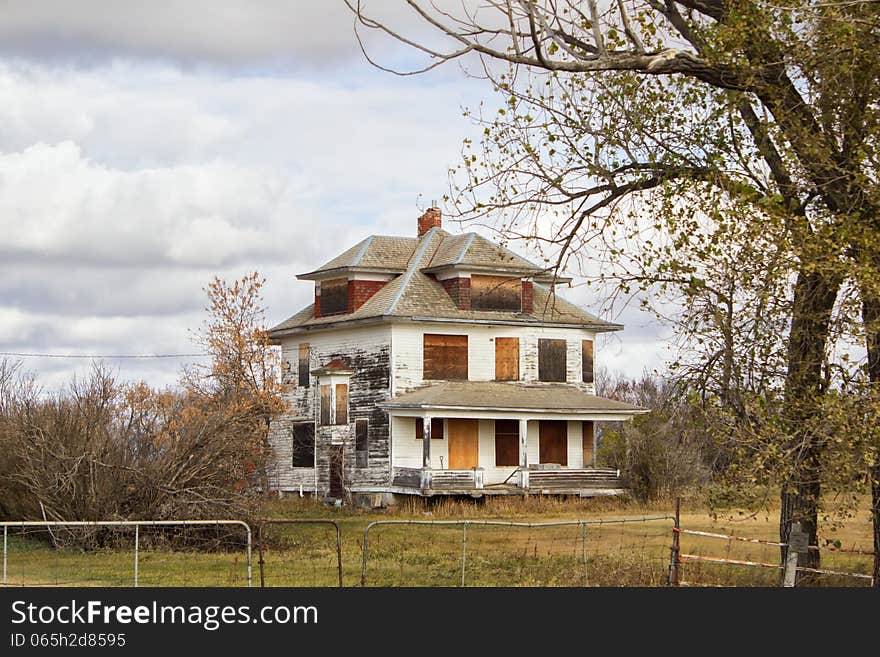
(475, 250)
(509, 396)
(376, 251)
(414, 294)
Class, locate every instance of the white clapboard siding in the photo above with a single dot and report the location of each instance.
(408, 346)
(369, 344)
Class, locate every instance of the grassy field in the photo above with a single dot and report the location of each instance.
(607, 554)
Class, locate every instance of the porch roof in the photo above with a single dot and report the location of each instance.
(508, 396)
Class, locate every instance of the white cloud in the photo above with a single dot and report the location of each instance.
(127, 184)
(228, 31)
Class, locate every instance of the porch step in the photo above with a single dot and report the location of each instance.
(441, 479)
(571, 479)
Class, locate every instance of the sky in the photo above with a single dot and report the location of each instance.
(147, 147)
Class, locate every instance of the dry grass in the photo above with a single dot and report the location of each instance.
(632, 554)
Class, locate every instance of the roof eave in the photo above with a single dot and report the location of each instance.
(488, 269)
(511, 409)
(338, 272)
(276, 334)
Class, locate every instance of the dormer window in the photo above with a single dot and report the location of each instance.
(334, 296)
(496, 293)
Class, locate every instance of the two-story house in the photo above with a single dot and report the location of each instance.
(439, 364)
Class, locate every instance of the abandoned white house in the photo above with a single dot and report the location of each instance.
(439, 364)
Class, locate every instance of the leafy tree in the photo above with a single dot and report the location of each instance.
(243, 376)
(722, 151)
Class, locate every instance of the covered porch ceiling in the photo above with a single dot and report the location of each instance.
(507, 400)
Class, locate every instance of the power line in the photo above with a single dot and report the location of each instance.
(108, 356)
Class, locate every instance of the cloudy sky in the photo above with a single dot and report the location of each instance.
(146, 147)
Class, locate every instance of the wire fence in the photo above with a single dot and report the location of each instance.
(714, 559)
(406, 552)
(294, 552)
(126, 553)
(602, 552)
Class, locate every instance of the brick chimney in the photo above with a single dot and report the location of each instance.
(431, 219)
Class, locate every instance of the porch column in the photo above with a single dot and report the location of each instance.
(523, 453)
(426, 452)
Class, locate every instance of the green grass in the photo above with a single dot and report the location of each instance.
(634, 554)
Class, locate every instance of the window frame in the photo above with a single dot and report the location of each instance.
(362, 451)
(295, 450)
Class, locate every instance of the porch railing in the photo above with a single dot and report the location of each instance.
(530, 478)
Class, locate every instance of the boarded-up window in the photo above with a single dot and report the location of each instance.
(496, 293)
(303, 448)
(341, 403)
(334, 296)
(589, 442)
(506, 359)
(506, 442)
(445, 356)
(436, 428)
(304, 365)
(361, 443)
(325, 405)
(553, 441)
(587, 351)
(551, 360)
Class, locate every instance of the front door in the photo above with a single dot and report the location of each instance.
(553, 441)
(463, 444)
(337, 472)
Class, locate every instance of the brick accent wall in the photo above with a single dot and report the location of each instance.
(359, 292)
(460, 291)
(528, 297)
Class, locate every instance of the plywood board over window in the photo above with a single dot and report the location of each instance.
(589, 438)
(506, 443)
(341, 403)
(506, 359)
(436, 428)
(551, 360)
(587, 358)
(463, 444)
(496, 293)
(445, 357)
(325, 404)
(334, 296)
(553, 441)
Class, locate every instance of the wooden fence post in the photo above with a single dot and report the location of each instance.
(674, 559)
(797, 544)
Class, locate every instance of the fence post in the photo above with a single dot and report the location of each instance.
(584, 551)
(5, 531)
(338, 552)
(137, 540)
(675, 551)
(797, 544)
(463, 549)
(260, 553)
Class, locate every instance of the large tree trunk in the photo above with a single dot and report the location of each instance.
(814, 298)
(871, 319)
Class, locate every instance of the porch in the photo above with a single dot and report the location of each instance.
(495, 438)
(591, 481)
